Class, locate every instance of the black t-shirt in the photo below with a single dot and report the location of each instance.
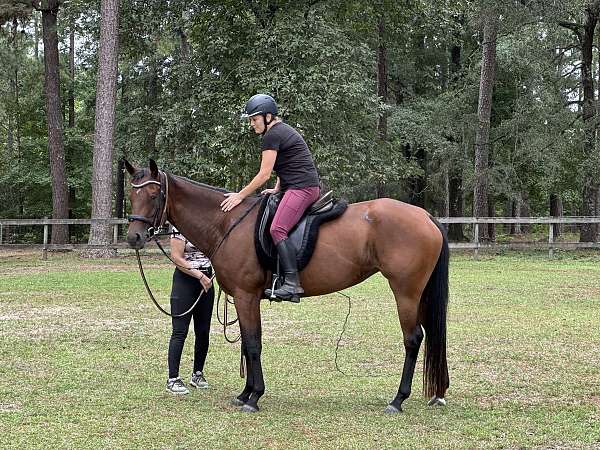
(294, 164)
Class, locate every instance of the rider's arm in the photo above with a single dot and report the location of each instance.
(266, 168)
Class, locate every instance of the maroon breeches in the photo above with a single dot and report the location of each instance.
(290, 210)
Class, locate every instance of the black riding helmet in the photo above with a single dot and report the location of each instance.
(261, 104)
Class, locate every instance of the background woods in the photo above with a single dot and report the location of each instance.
(462, 107)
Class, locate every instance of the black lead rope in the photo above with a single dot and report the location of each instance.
(137, 253)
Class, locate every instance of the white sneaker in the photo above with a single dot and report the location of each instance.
(176, 386)
(198, 380)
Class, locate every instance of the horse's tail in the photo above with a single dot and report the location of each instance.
(435, 304)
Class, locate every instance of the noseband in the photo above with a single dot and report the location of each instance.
(159, 217)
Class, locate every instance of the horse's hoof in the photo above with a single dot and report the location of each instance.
(391, 409)
(237, 402)
(436, 401)
(248, 409)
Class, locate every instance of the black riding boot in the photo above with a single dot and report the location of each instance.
(291, 289)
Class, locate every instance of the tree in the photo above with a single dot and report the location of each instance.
(585, 38)
(482, 140)
(54, 117)
(106, 92)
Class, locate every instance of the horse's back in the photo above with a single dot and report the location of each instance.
(378, 235)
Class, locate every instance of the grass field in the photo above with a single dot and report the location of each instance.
(83, 362)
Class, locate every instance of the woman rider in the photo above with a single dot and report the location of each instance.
(284, 151)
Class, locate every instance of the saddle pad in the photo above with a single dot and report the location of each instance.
(303, 236)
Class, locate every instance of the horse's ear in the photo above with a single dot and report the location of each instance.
(132, 170)
(153, 168)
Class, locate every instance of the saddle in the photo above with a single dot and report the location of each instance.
(303, 236)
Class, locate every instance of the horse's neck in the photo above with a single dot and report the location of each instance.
(196, 212)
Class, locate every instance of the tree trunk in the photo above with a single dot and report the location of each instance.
(491, 227)
(416, 184)
(184, 48)
(455, 230)
(382, 78)
(120, 196)
(525, 210)
(36, 36)
(445, 210)
(509, 211)
(151, 102)
(455, 181)
(482, 139)
(72, 76)
(56, 149)
(590, 186)
(556, 211)
(106, 93)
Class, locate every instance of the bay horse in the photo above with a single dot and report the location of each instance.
(401, 241)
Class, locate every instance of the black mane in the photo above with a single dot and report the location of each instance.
(207, 186)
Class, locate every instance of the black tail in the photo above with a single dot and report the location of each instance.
(434, 302)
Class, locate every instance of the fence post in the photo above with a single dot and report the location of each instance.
(45, 251)
(476, 239)
(1, 234)
(115, 233)
(551, 240)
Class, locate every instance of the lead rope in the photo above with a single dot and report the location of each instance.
(227, 323)
(137, 253)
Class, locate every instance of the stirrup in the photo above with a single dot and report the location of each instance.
(294, 298)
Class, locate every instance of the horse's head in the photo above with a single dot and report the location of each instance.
(148, 203)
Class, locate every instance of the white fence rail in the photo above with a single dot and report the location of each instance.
(475, 244)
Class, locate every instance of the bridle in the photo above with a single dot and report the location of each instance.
(157, 222)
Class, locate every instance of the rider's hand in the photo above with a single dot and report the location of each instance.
(233, 199)
(205, 281)
(270, 191)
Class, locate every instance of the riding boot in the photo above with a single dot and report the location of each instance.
(291, 289)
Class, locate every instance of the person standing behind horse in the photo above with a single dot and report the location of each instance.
(284, 151)
(190, 280)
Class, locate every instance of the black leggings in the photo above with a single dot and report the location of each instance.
(184, 293)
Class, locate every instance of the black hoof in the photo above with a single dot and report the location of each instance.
(237, 402)
(248, 409)
(391, 409)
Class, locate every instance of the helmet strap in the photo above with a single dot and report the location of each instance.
(266, 123)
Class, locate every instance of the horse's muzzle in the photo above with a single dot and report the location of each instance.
(137, 240)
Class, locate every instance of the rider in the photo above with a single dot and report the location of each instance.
(284, 151)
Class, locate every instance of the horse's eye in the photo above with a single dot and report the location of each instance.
(153, 196)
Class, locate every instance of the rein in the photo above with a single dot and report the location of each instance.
(156, 225)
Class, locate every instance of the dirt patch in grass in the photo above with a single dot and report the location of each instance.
(9, 408)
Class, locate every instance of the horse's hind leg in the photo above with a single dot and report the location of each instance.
(408, 312)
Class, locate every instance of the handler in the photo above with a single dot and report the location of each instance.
(191, 279)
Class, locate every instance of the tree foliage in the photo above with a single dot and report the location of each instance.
(187, 68)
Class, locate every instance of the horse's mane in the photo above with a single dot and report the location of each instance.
(204, 185)
(142, 173)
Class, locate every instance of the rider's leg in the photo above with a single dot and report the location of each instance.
(291, 208)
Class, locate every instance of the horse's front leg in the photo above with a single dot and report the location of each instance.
(248, 310)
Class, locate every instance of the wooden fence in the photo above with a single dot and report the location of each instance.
(474, 244)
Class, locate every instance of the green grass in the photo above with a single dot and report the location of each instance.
(83, 362)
